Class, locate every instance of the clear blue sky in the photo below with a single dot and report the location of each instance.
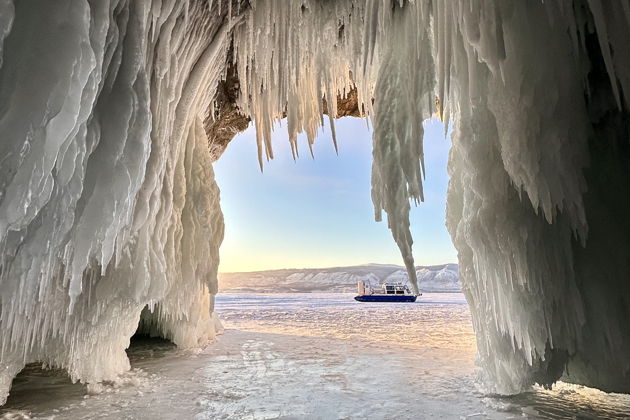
(318, 212)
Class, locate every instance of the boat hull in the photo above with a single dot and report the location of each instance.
(385, 298)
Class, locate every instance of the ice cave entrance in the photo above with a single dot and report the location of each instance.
(317, 212)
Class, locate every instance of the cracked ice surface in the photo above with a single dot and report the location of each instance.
(312, 362)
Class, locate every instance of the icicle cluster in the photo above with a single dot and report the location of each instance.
(290, 55)
(107, 196)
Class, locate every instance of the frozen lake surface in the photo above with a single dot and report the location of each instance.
(319, 356)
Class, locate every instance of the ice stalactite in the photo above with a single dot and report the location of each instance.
(403, 96)
(107, 197)
(325, 50)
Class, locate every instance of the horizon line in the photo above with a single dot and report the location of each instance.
(329, 267)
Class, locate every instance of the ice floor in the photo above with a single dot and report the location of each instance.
(310, 356)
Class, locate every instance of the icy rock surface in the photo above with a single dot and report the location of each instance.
(108, 204)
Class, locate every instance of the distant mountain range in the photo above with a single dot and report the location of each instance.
(435, 278)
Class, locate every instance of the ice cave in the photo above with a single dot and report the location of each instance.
(112, 113)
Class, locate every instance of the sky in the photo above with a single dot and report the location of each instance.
(315, 213)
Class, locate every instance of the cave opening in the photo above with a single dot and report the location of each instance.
(149, 340)
(316, 212)
(38, 385)
(144, 346)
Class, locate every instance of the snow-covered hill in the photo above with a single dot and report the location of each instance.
(436, 278)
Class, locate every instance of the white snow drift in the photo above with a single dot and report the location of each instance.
(108, 203)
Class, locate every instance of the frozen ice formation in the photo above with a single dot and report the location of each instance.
(108, 202)
(539, 180)
(109, 213)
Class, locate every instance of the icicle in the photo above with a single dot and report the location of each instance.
(331, 121)
(602, 36)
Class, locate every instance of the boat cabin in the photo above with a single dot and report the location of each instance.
(395, 289)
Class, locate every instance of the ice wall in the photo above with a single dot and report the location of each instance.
(108, 207)
(108, 202)
(530, 202)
